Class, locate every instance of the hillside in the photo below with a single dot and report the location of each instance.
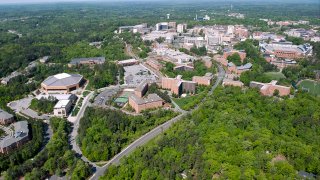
(236, 134)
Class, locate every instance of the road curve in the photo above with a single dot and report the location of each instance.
(74, 132)
(153, 133)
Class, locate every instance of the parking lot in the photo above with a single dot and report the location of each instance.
(135, 74)
(105, 96)
(22, 106)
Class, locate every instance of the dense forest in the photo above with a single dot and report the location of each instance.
(56, 158)
(103, 132)
(236, 134)
(43, 105)
(28, 150)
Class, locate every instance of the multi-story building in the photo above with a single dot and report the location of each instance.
(162, 26)
(228, 52)
(87, 61)
(228, 82)
(172, 25)
(140, 28)
(232, 68)
(154, 64)
(16, 137)
(207, 61)
(62, 108)
(195, 41)
(203, 80)
(174, 56)
(128, 62)
(62, 83)
(268, 89)
(301, 33)
(178, 85)
(141, 89)
(181, 28)
(285, 49)
(265, 36)
(241, 32)
(5, 117)
(150, 102)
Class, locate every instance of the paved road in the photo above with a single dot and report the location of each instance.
(74, 132)
(153, 133)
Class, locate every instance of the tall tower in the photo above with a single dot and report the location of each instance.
(231, 7)
(168, 16)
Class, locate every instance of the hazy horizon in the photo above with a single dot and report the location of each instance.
(76, 1)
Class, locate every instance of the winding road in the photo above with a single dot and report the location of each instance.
(153, 133)
(74, 132)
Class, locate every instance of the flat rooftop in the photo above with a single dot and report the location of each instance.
(95, 59)
(5, 115)
(62, 104)
(21, 131)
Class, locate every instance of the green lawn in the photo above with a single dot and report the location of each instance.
(275, 75)
(86, 93)
(312, 86)
(2, 133)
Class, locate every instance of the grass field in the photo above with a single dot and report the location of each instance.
(275, 75)
(312, 86)
(2, 133)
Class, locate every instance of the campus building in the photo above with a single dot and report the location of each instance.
(128, 62)
(162, 26)
(139, 104)
(183, 67)
(141, 89)
(15, 138)
(285, 49)
(232, 68)
(140, 28)
(203, 80)
(62, 83)
(181, 28)
(178, 85)
(87, 61)
(268, 89)
(228, 52)
(207, 61)
(62, 108)
(154, 64)
(5, 117)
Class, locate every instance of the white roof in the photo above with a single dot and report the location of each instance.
(127, 61)
(61, 104)
(57, 96)
(62, 76)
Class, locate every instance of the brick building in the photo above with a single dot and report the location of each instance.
(232, 68)
(203, 80)
(17, 137)
(141, 89)
(62, 83)
(268, 89)
(285, 49)
(228, 53)
(154, 64)
(139, 104)
(178, 85)
(5, 117)
(87, 61)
